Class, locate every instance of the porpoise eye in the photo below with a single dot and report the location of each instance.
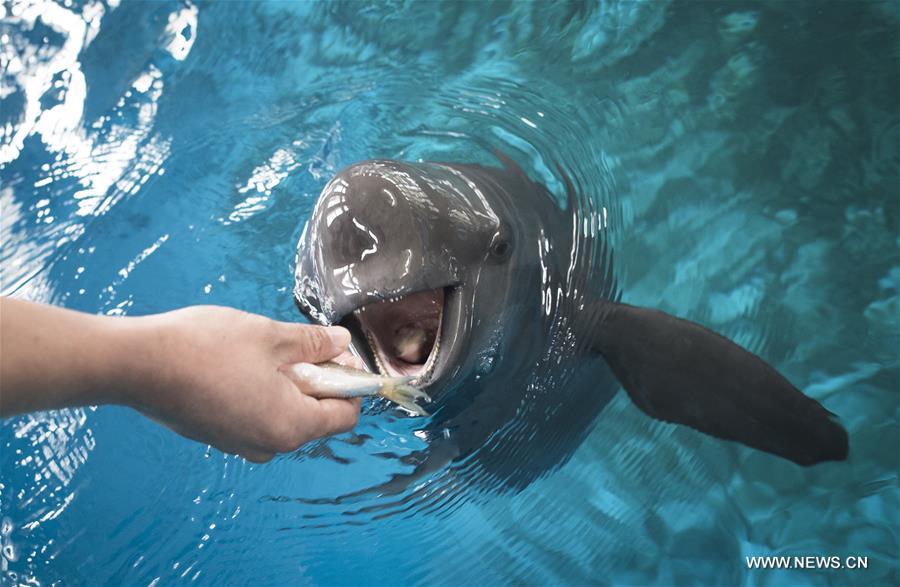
(501, 248)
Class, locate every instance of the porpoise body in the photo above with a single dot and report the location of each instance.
(474, 279)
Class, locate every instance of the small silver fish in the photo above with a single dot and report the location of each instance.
(330, 379)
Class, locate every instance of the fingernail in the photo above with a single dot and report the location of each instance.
(340, 336)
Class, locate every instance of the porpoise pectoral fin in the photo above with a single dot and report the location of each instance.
(681, 372)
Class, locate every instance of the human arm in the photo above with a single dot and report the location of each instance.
(210, 373)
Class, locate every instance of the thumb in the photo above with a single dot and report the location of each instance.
(304, 343)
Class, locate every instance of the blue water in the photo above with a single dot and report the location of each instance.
(156, 155)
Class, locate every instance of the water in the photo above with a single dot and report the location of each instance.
(156, 155)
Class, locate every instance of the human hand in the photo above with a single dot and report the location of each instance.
(214, 374)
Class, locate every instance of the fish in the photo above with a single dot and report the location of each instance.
(331, 379)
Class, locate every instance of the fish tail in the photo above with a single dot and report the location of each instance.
(399, 391)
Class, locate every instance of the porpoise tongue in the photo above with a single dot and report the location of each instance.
(412, 344)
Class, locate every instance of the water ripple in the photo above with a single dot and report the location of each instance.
(731, 166)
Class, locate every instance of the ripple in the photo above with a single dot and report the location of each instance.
(733, 168)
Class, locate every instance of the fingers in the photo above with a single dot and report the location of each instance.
(309, 389)
(311, 344)
(303, 418)
(325, 417)
(336, 416)
(321, 418)
(348, 359)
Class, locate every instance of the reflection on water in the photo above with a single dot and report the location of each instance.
(738, 161)
(51, 446)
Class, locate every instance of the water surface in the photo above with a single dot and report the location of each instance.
(155, 155)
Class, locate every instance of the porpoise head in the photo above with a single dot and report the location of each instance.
(416, 260)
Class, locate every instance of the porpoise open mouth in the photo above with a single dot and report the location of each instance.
(404, 333)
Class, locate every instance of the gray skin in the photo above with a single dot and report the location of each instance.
(385, 229)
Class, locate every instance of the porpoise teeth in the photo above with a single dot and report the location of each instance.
(376, 354)
(432, 358)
